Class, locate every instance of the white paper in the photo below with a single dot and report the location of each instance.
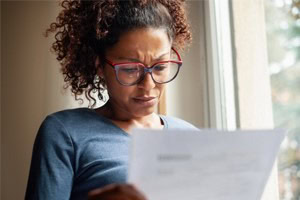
(203, 165)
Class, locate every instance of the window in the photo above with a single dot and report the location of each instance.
(228, 84)
(283, 34)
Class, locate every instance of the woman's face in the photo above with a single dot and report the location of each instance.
(146, 46)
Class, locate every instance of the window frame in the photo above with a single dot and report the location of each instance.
(221, 89)
(233, 34)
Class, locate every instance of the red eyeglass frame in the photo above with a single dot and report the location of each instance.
(147, 69)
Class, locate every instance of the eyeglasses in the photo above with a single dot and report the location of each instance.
(131, 73)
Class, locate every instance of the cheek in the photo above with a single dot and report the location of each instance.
(111, 82)
(117, 91)
(161, 88)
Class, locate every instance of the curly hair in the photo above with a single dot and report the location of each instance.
(85, 29)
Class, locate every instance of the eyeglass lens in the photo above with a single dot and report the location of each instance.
(128, 74)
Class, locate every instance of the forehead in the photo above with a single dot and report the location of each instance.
(141, 42)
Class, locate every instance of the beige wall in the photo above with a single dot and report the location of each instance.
(252, 73)
(186, 95)
(32, 85)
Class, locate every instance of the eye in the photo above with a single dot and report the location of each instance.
(161, 67)
(129, 69)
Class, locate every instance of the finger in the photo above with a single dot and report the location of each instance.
(110, 196)
(102, 189)
(116, 192)
(135, 192)
(112, 191)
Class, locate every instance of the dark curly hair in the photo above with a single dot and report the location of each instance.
(86, 28)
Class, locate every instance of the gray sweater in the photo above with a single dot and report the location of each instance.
(78, 150)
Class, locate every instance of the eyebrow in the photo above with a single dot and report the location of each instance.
(137, 60)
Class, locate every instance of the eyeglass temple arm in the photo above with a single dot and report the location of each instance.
(178, 55)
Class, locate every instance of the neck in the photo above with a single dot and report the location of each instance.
(127, 121)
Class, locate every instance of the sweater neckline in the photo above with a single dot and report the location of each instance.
(162, 118)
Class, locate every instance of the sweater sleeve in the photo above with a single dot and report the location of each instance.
(52, 171)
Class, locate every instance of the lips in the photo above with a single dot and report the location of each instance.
(145, 100)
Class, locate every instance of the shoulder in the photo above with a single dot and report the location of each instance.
(74, 123)
(76, 117)
(176, 123)
(73, 114)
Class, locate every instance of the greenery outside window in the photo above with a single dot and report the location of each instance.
(283, 38)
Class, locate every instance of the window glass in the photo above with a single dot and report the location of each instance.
(283, 36)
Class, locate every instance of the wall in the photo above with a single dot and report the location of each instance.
(186, 95)
(252, 74)
(31, 87)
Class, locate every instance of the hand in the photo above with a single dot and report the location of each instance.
(116, 192)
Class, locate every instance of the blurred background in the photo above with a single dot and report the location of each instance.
(283, 39)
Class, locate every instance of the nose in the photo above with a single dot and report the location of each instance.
(147, 82)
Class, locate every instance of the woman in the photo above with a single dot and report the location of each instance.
(129, 49)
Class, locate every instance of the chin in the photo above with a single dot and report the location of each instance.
(143, 112)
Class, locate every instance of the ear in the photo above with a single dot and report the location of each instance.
(99, 67)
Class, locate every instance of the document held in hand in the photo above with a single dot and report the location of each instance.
(203, 165)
